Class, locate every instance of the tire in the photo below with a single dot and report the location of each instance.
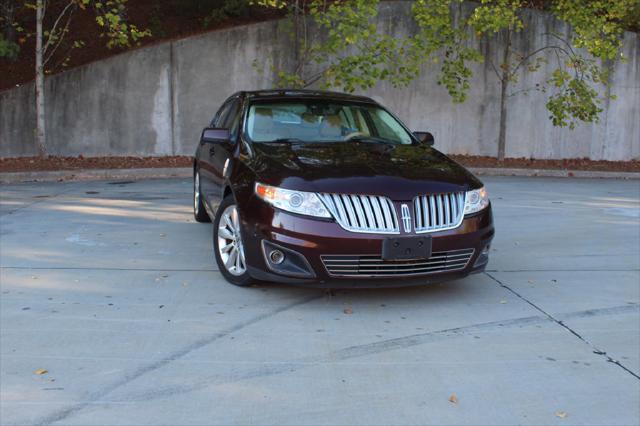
(226, 234)
(199, 211)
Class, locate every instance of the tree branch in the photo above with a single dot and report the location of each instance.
(495, 70)
(64, 30)
(314, 78)
(535, 52)
(55, 25)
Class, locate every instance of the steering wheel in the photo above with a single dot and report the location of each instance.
(354, 135)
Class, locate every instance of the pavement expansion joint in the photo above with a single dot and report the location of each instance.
(596, 350)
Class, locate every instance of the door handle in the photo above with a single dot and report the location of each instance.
(212, 150)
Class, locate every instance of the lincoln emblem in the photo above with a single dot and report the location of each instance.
(406, 218)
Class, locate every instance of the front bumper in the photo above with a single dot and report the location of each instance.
(313, 239)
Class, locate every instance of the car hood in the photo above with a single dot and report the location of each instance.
(400, 172)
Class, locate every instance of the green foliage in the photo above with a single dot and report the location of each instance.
(631, 22)
(438, 33)
(228, 9)
(8, 49)
(597, 24)
(110, 15)
(578, 101)
(352, 54)
(155, 21)
(496, 15)
(597, 27)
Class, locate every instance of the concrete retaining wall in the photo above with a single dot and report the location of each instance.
(155, 100)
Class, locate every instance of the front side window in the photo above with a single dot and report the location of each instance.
(232, 120)
(220, 116)
(322, 121)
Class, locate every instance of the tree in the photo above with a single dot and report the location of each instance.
(597, 27)
(109, 15)
(352, 54)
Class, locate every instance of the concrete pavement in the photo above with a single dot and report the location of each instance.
(111, 288)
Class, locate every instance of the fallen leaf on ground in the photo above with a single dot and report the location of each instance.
(561, 414)
(453, 399)
(40, 372)
(348, 311)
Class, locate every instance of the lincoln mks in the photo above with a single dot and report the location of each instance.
(332, 190)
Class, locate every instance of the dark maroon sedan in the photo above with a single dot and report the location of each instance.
(332, 190)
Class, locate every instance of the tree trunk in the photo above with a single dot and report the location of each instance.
(40, 117)
(298, 47)
(504, 85)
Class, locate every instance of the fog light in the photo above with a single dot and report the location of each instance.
(276, 256)
(483, 257)
(284, 261)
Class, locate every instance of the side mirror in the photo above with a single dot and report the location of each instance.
(425, 138)
(213, 135)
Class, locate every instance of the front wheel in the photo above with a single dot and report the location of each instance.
(227, 244)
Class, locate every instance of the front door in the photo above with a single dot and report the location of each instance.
(216, 155)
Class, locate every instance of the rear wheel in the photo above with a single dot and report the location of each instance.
(227, 244)
(199, 211)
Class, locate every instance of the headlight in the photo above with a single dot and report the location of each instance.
(476, 200)
(306, 203)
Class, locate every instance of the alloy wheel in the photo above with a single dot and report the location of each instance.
(230, 246)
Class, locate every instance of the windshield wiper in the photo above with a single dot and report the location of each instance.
(373, 139)
(286, 140)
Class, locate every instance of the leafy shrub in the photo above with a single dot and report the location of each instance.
(8, 49)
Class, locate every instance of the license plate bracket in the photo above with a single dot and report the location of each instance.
(406, 248)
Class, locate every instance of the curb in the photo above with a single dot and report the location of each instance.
(584, 174)
(183, 172)
(98, 174)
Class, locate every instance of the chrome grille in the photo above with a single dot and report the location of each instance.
(375, 266)
(362, 213)
(437, 212)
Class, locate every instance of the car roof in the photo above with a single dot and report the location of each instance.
(304, 93)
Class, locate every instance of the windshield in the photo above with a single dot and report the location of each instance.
(322, 121)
